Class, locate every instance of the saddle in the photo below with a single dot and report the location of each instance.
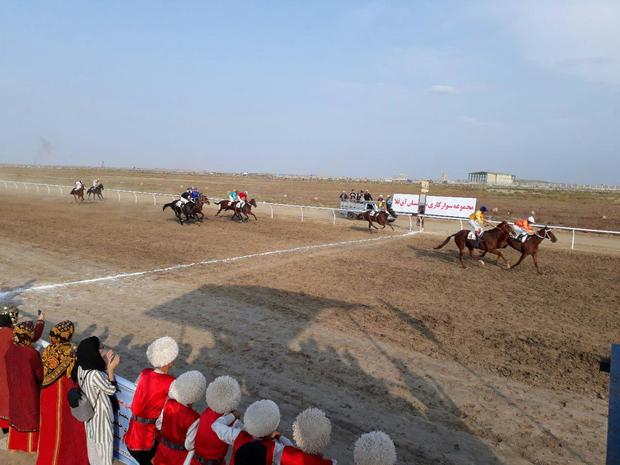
(471, 235)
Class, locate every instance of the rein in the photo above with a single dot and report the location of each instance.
(546, 235)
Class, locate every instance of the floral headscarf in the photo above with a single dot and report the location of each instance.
(23, 333)
(59, 357)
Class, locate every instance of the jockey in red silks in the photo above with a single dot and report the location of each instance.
(243, 198)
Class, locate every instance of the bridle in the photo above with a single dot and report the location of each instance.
(545, 236)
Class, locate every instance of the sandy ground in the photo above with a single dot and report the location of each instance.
(597, 210)
(481, 365)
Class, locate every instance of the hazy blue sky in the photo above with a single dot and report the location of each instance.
(327, 87)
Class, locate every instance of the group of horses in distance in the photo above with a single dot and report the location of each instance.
(498, 238)
(193, 210)
(95, 191)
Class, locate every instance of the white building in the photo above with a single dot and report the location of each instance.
(493, 179)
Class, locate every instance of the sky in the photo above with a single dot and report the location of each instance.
(342, 88)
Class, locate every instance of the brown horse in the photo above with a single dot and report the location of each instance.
(78, 194)
(195, 209)
(380, 217)
(530, 246)
(245, 210)
(489, 242)
(226, 205)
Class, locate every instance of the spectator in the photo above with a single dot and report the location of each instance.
(367, 196)
(223, 396)
(152, 389)
(311, 431)
(353, 196)
(360, 195)
(24, 375)
(8, 317)
(177, 416)
(62, 438)
(375, 448)
(97, 386)
(343, 196)
(260, 424)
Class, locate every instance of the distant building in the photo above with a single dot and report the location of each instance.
(493, 179)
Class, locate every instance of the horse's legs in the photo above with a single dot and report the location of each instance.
(254, 216)
(499, 255)
(536, 262)
(390, 225)
(461, 255)
(523, 255)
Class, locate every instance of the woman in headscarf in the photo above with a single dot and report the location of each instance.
(95, 376)
(9, 314)
(62, 438)
(24, 375)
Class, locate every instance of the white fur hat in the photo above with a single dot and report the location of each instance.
(374, 448)
(188, 388)
(162, 351)
(531, 219)
(262, 418)
(223, 394)
(312, 430)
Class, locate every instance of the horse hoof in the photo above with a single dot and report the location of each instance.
(481, 262)
(507, 266)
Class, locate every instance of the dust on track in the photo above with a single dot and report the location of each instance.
(459, 366)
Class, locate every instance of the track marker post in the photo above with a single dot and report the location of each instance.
(572, 243)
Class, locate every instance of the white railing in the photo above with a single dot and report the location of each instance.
(303, 209)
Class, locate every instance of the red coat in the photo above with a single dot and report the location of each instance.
(294, 456)
(148, 401)
(6, 340)
(244, 438)
(176, 421)
(24, 375)
(207, 445)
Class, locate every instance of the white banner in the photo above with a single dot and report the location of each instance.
(458, 207)
(405, 203)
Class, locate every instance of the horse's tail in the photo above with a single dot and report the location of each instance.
(167, 205)
(445, 242)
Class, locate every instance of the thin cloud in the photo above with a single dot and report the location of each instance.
(444, 89)
(471, 121)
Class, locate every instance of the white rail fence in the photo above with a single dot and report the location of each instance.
(303, 212)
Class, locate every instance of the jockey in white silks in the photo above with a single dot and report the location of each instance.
(79, 185)
(96, 183)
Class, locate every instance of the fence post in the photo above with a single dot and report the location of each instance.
(302, 214)
(461, 221)
(5, 185)
(410, 223)
(154, 200)
(572, 244)
(119, 195)
(59, 190)
(37, 187)
(15, 185)
(271, 207)
(48, 189)
(334, 213)
(26, 187)
(135, 197)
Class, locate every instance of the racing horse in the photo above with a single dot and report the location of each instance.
(95, 191)
(245, 210)
(380, 217)
(78, 194)
(195, 209)
(179, 210)
(530, 245)
(226, 205)
(490, 242)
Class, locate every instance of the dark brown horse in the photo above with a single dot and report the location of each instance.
(530, 246)
(195, 209)
(78, 194)
(380, 217)
(245, 210)
(95, 191)
(226, 205)
(490, 242)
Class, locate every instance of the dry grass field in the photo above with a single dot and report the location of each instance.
(482, 365)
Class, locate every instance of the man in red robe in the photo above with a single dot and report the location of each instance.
(24, 375)
(311, 432)
(260, 423)
(223, 397)
(8, 317)
(177, 416)
(148, 401)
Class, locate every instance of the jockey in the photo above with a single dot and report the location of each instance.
(233, 196)
(477, 220)
(185, 197)
(79, 185)
(96, 183)
(522, 227)
(380, 203)
(194, 195)
(243, 198)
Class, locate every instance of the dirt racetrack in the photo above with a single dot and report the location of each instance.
(481, 365)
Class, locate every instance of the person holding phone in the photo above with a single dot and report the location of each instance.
(94, 373)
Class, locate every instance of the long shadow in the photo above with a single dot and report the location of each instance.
(452, 256)
(268, 339)
(12, 294)
(421, 328)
